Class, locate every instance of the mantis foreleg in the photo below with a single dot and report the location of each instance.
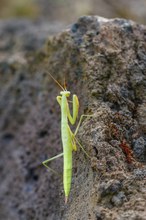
(73, 118)
(75, 102)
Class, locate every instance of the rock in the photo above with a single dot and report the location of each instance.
(139, 148)
(119, 199)
(103, 62)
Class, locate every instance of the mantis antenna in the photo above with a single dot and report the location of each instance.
(57, 82)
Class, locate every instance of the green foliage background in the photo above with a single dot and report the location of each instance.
(69, 10)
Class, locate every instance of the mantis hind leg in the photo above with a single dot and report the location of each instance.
(76, 131)
(74, 140)
(74, 147)
(50, 159)
(81, 147)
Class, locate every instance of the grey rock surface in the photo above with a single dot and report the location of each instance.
(103, 62)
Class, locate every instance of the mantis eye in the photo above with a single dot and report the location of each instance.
(66, 93)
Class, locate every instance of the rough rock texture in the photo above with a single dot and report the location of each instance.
(104, 63)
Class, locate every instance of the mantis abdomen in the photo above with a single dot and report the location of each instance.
(67, 174)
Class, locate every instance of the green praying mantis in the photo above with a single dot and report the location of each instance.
(69, 139)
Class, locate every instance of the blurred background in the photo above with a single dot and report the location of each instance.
(67, 11)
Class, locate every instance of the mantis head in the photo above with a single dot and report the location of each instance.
(65, 92)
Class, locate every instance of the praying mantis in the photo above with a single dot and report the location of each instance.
(69, 139)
